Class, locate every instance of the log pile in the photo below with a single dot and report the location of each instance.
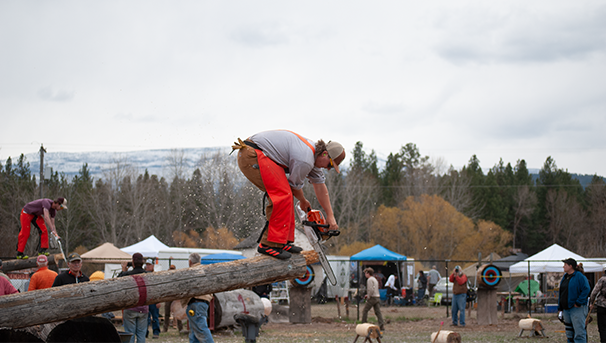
(89, 298)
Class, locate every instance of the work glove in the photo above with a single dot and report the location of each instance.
(561, 316)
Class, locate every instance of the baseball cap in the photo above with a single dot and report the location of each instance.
(336, 153)
(62, 202)
(149, 261)
(42, 259)
(74, 257)
(570, 261)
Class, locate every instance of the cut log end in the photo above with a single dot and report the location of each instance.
(446, 337)
(311, 257)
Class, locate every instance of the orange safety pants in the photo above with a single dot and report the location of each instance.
(270, 177)
(26, 221)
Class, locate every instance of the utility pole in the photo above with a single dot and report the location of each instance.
(42, 151)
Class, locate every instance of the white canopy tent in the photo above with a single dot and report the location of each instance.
(550, 261)
(149, 247)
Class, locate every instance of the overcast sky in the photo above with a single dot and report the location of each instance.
(507, 79)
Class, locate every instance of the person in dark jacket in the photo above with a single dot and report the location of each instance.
(135, 318)
(73, 274)
(574, 291)
(422, 287)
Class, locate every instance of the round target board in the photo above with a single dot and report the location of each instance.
(306, 279)
(490, 276)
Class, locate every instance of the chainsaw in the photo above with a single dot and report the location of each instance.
(317, 232)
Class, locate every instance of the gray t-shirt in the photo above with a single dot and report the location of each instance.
(286, 149)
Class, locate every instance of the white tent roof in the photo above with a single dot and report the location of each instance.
(149, 247)
(555, 254)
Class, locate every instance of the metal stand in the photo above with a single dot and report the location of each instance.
(250, 326)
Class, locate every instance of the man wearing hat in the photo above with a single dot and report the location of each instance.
(574, 291)
(43, 277)
(135, 318)
(265, 159)
(6, 287)
(73, 274)
(41, 214)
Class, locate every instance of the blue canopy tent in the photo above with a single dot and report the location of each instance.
(376, 253)
(221, 257)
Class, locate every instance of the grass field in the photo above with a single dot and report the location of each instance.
(404, 325)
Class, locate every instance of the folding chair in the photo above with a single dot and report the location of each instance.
(436, 300)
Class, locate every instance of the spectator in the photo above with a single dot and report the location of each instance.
(574, 291)
(6, 287)
(598, 299)
(380, 278)
(422, 287)
(263, 291)
(73, 274)
(459, 296)
(135, 318)
(433, 278)
(197, 311)
(153, 318)
(373, 298)
(393, 287)
(167, 310)
(43, 277)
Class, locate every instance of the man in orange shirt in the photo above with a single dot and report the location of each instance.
(43, 277)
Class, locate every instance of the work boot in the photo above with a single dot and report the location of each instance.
(293, 249)
(43, 252)
(21, 256)
(273, 252)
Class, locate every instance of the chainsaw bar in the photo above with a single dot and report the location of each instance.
(312, 236)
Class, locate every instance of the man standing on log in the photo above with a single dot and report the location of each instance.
(373, 298)
(265, 158)
(197, 311)
(135, 318)
(73, 274)
(43, 277)
(41, 214)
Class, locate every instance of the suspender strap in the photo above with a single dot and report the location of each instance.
(304, 141)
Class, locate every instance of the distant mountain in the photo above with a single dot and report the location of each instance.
(155, 161)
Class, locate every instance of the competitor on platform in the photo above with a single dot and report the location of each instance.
(41, 214)
(265, 158)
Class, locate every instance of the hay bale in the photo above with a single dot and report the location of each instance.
(368, 330)
(446, 336)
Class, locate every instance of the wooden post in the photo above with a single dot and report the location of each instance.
(487, 307)
(338, 306)
(299, 311)
(89, 298)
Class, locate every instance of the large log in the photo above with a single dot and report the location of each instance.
(11, 265)
(88, 298)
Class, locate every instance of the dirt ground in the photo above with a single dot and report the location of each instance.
(404, 325)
